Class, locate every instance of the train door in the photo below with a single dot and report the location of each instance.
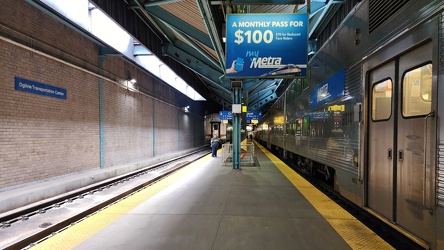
(415, 143)
(381, 133)
(400, 141)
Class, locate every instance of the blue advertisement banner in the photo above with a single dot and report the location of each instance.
(266, 45)
(225, 115)
(39, 88)
(329, 90)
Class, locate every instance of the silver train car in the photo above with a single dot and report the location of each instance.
(367, 118)
(214, 126)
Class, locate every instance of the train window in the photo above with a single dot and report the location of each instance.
(417, 91)
(298, 126)
(306, 125)
(298, 86)
(382, 100)
(215, 126)
(305, 84)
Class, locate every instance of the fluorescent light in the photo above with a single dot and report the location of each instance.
(94, 20)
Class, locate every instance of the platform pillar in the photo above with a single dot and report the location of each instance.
(236, 129)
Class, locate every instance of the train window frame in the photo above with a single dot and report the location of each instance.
(299, 87)
(305, 84)
(215, 126)
(420, 94)
(298, 131)
(373, 100)
(305, 126)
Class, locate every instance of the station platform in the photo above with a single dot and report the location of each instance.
(208, 205)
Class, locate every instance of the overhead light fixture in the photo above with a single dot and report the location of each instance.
(132, 80)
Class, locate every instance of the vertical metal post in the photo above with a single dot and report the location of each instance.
(101, 126)
(154, 127)
(285, 126)
(178, 129)
(236, 130)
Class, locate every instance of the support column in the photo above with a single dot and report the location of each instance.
(236, 129)
(101, 126)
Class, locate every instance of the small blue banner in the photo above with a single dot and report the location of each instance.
(225, 115)
(320, 115)
(329, 90)
(39, 88)
(266, 45)
(254, 115)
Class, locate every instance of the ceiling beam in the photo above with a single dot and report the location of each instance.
(268, 2)
(261, 99)
(195, 50)
(178, 24)
(320, 20)
(213, 76)
(192, 48)
(208, 19)
(156, 3)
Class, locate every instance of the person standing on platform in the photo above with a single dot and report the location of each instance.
(214, 145)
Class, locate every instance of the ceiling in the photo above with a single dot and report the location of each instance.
(188, 37)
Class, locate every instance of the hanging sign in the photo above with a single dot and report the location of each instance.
(225, 115)
(266, 45)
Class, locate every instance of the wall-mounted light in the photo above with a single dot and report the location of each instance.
(130, 84)
(186, 109)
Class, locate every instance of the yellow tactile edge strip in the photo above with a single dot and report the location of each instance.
(356, 234)
(81, 231)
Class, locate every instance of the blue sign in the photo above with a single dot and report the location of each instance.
(329, 90)
(225, 115)
(254, 115)
(266, 45)
(39, 88)
(320, 115)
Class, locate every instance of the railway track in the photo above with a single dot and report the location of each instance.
(22, 228)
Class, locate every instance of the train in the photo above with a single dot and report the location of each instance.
(214, 126)
(366, 118)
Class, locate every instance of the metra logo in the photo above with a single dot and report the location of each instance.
(266, 62)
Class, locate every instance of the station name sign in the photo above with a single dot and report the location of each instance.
(266, 45)
(39, 88)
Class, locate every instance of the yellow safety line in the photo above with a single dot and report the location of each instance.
(78, 233)
(356, 234)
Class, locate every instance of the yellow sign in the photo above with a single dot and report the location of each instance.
(336, 108)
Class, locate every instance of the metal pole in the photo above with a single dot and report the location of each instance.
(236, 130)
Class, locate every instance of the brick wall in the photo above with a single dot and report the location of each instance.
(43, 137)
